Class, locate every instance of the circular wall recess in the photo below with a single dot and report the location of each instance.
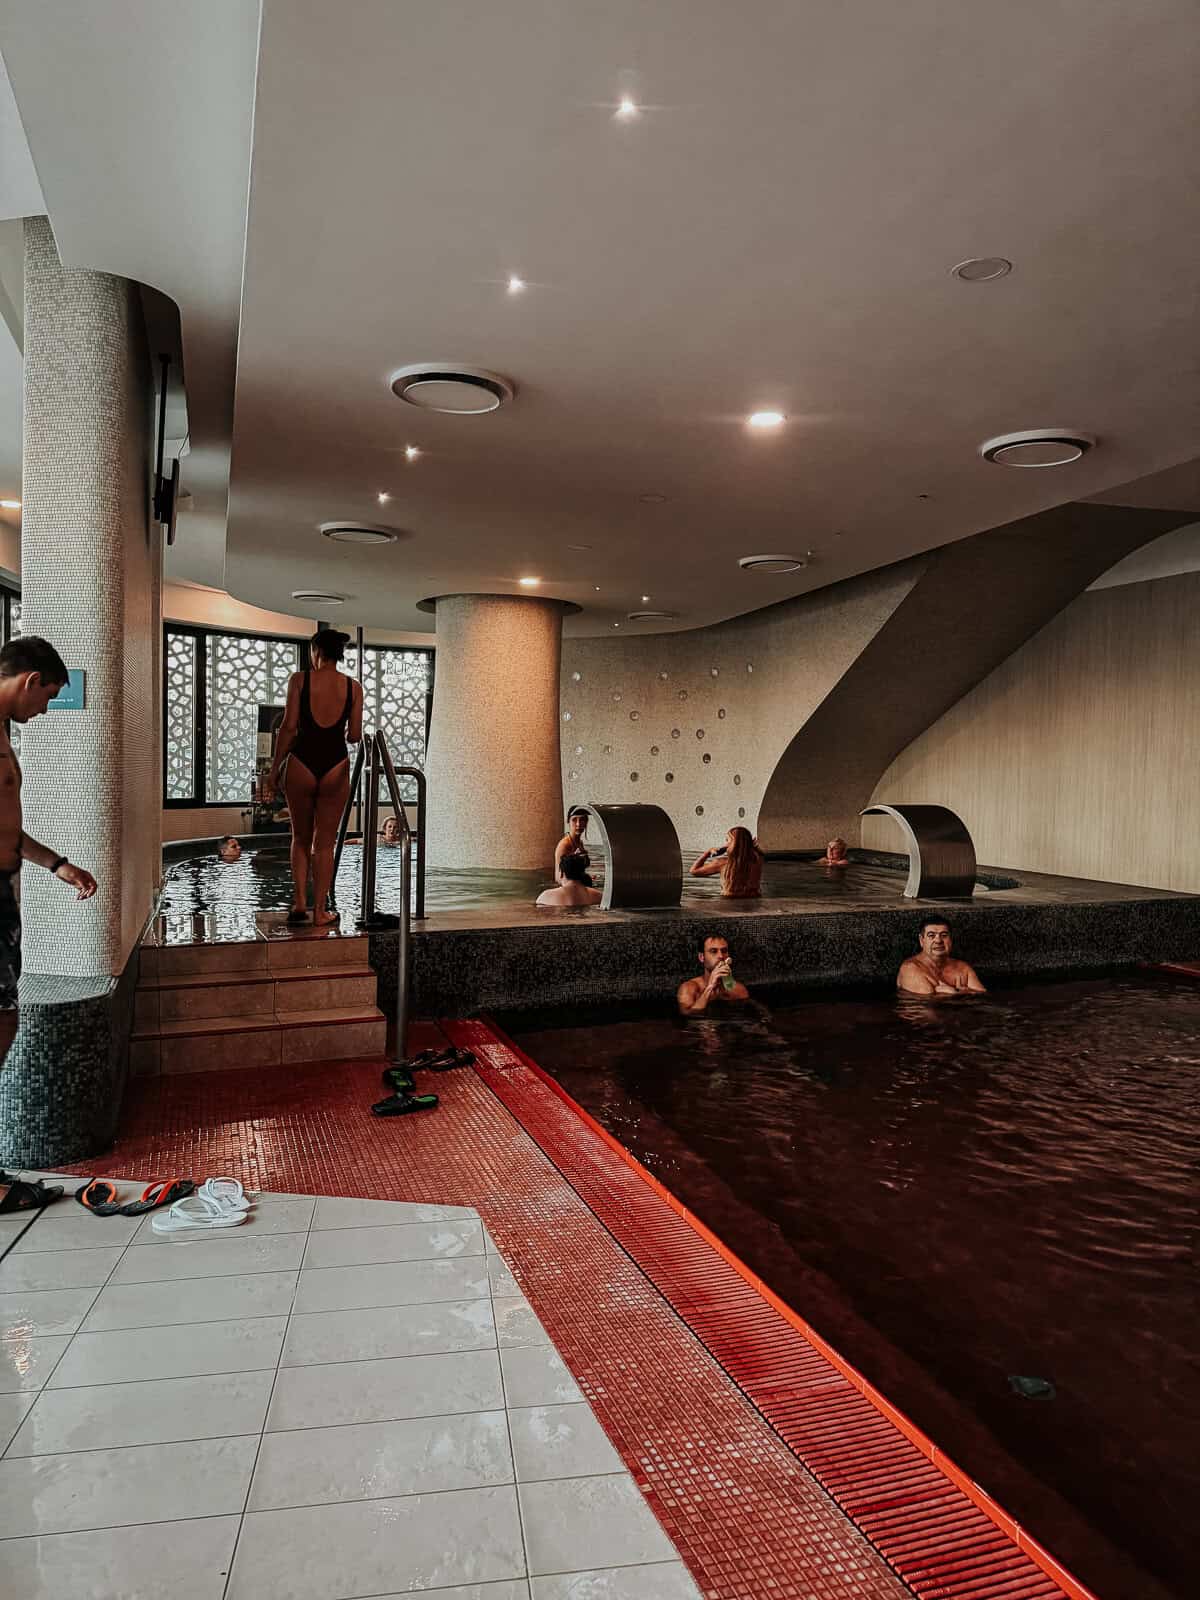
(318, 597)
(359, 533)
(772, 564)
(450, 387)
(982, 269)
(1037, 447)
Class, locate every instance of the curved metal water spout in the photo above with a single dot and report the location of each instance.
(645, 867)
(941, 853)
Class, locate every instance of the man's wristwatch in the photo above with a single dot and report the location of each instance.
(61, 861)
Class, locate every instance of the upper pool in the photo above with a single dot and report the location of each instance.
(262, 879)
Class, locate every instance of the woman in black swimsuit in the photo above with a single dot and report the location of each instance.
(324, 709)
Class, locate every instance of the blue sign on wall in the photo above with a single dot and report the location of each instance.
(71, 696)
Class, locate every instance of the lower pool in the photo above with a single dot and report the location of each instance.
(959, 1196)
(262, 879)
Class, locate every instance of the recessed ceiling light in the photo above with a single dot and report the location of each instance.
(645, 597)
(11, 505)
(318, 597)
(627, 110)
(765, 419)
(358, 533)
(652, 499)
(982, 269)
(529, 583)
(652, 616)
(449, 387)
(616, 624)
(1037, 447)
(772, 564)
(596, 587)
(579, 547)
(411, 452)
(383, 498)
(515, 284)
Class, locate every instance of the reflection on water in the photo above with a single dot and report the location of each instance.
(262, 880)
(955, 1194)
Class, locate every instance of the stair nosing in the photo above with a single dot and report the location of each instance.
(256, 1022)
(241, 980)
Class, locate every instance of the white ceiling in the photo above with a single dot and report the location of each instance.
(776, 228)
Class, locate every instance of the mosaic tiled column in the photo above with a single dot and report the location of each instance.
(495, 780)
(91, 580)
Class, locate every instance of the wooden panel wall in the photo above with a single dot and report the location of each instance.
(1081, 753)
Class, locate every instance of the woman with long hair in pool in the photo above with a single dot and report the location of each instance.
(324, 709)
(574, 843)
(740, 864)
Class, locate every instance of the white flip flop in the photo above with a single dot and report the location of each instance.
(228, 1192)
(198, 1212)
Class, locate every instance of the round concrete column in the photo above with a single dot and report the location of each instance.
(495, 776)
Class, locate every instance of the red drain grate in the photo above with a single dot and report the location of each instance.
(943, 1535)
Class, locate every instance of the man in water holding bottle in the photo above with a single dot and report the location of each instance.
(716, 982)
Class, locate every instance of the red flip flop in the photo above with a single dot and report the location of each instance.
(163, 1193)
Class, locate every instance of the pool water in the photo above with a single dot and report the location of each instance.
(262, 879)
(957, 1195)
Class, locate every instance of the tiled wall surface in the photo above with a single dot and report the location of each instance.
(695, 722)
(493, 761)
(91, 569)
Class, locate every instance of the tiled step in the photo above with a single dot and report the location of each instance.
(248, 957)
(206, 1044)
(233, 994)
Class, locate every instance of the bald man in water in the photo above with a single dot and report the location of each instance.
(934, 971)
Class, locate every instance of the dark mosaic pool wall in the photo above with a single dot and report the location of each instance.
(645, 956)
(62, 1084)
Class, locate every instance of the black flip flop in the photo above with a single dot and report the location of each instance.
(26, 1194)
(399, 1105)
(99, 1196)
(163, 1193)
(452, 1059)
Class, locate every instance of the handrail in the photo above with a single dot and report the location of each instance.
(403, 962)
(352, 799)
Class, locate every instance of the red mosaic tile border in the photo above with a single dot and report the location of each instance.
(746, 1516)
(946, 1537)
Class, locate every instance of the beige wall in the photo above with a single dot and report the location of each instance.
(736, 693)
(1080, 754)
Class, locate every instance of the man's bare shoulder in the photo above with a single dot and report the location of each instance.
(912, 975)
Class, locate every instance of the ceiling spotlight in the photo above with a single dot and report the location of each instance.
(596, 587)
(358, 533)
(1037, 447)
(529, 583)
(772, 564)
(765, 419)
(645, 597)
(616, 624)
(626, 111)
(515, 284)
(982, 269)
(318, 597)
(11, 505)
(447, 386)
(411, 452)
(383, 498)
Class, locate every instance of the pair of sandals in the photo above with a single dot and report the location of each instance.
(217, 1203)
(103, 1199)
(26, 1194)
(404, 1099)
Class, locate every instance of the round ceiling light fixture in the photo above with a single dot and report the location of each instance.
(358, 533)
(1037, 447)
(318, 597)
(982, 269)
(652, 616)
(452, 388)
(772, 564)
(652, 499)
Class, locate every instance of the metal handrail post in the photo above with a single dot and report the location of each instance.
(422, 808)
(366, 909)
(383, 758)
(344, 824)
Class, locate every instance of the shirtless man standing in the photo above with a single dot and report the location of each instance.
(31, 674)
(695, 995)
(934, 971)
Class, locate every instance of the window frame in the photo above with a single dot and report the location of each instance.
(201, 633)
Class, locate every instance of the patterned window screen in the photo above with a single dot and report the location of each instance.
(396, 685)
(242, 673)
(180, 696)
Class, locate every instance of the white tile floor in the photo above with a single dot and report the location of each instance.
(341, 1398)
